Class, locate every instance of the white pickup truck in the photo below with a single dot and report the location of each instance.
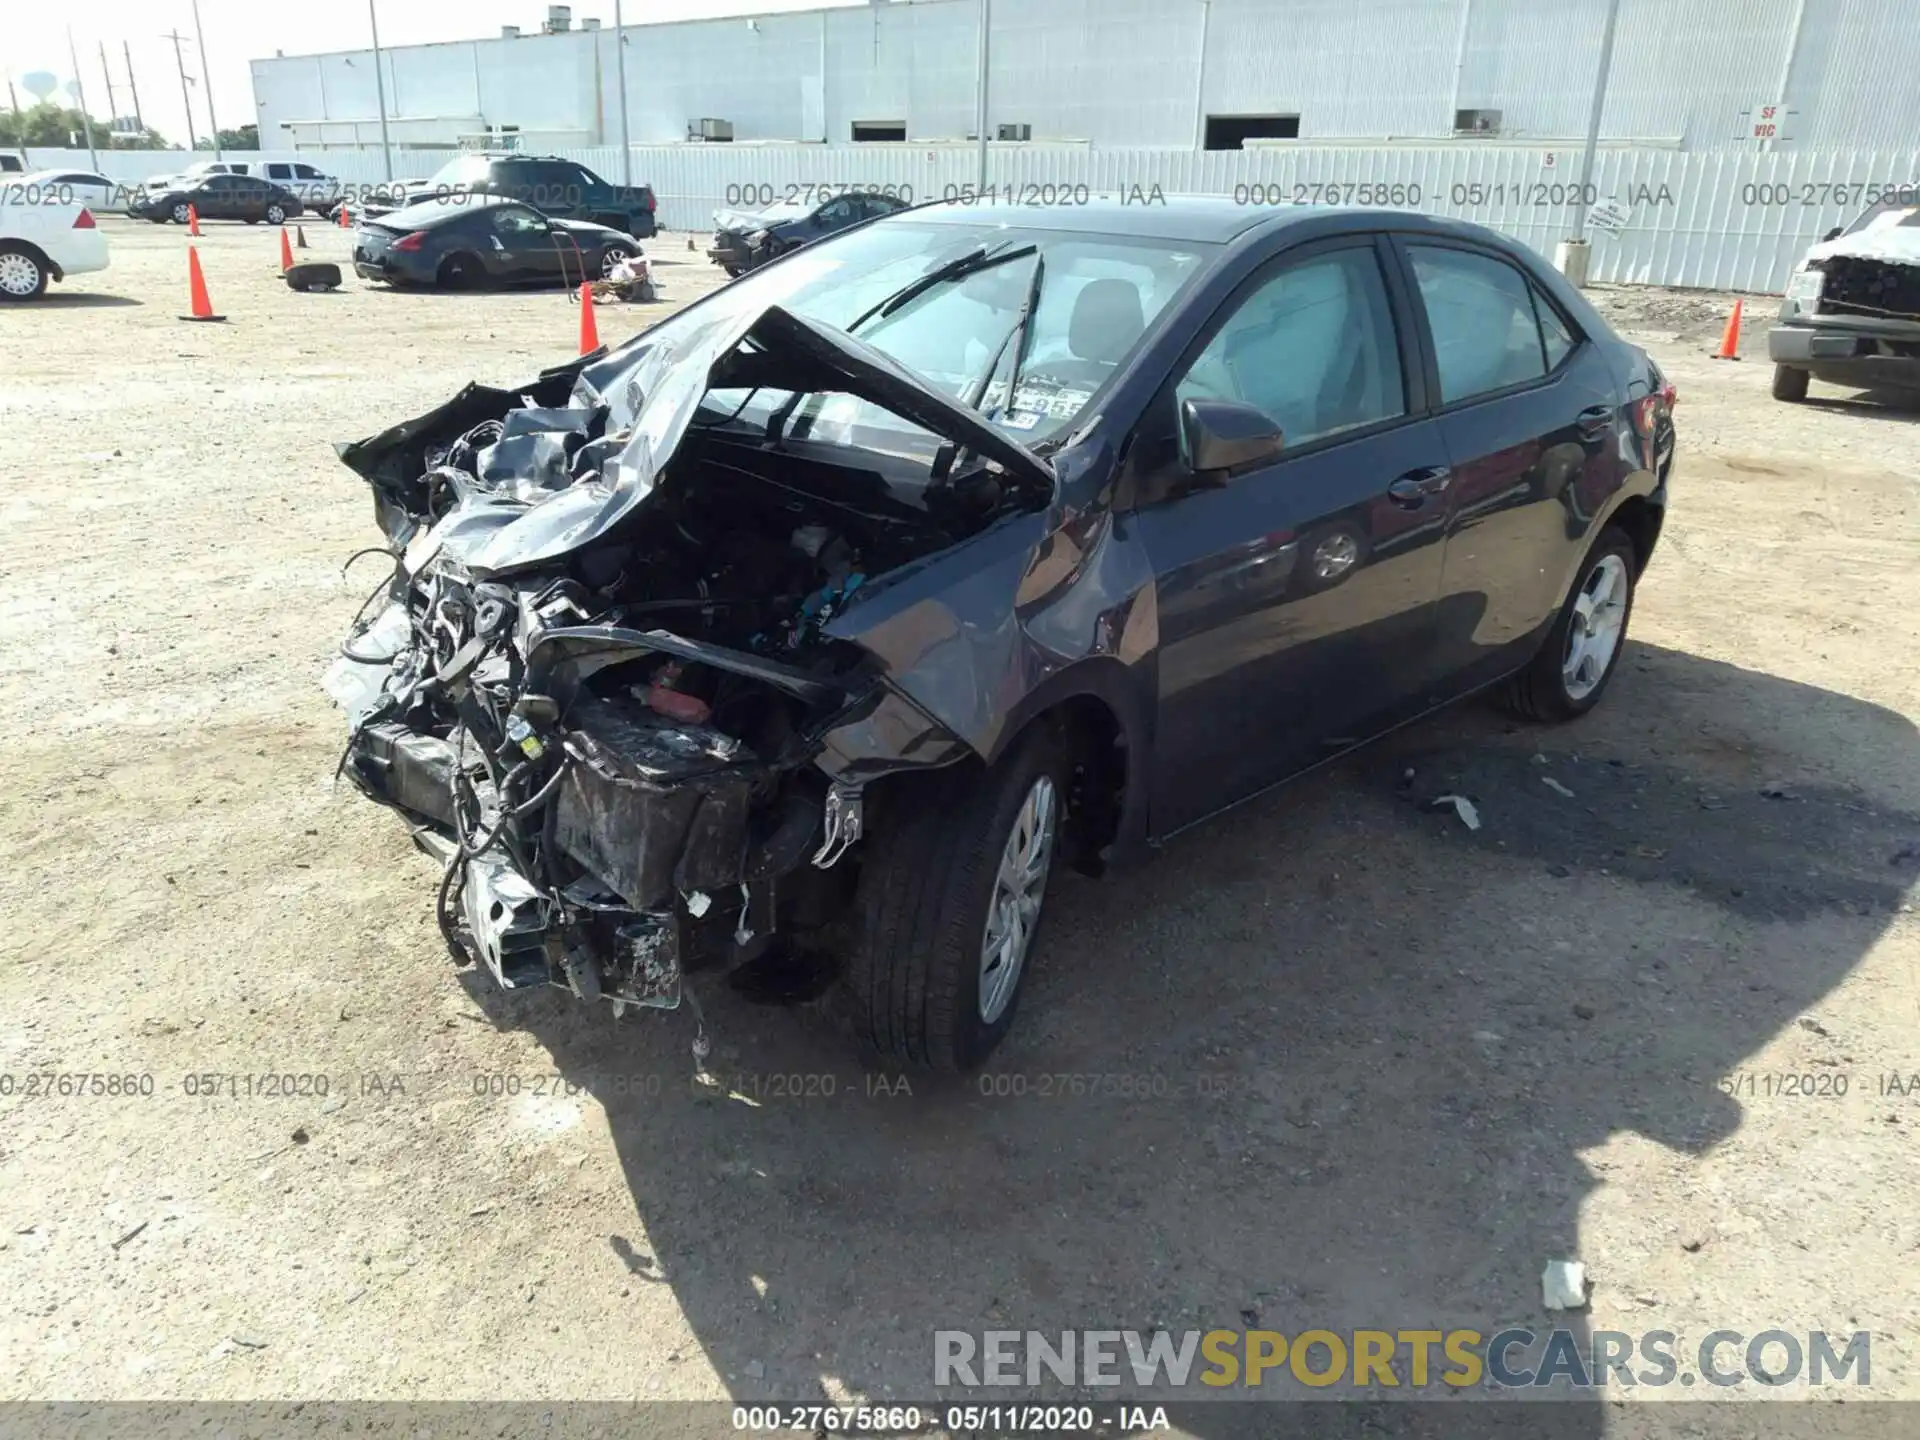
(46, 241)
(317, 190)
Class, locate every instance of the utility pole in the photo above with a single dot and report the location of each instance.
(986, 60)
(1593, 120)
(127, 50)
(379, 90)
(206, 78)
(80, 96)
(112, 112)
(620, 58)
(185, 98)
(19, 129)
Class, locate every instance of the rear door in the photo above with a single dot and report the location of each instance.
(1531, 419)
(1294, 601)
(219, 197)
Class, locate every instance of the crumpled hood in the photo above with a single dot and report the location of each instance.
(648, 391)
(745, 222)
(1888, 241)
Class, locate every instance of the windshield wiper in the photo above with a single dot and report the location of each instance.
(967, 264)
(1016, 341)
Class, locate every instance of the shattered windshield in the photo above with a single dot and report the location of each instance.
(1887, 217)
(1097, 295)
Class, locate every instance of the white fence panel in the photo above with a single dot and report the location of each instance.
(1719, 220)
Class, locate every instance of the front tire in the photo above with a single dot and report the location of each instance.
(23, 275)
(1570, 674)
(180, 215)
(276, 214)
(612, 256)
(947, 915)
(1789, 384)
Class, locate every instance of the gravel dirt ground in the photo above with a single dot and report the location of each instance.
(1381, 1068)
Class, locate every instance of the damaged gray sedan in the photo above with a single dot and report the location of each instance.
(836, 614)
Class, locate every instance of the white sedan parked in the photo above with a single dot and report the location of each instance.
(45, 241)
(84, 187)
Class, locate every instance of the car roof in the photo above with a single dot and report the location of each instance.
(439, 209)
(1169, 217)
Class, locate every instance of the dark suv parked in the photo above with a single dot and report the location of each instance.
(563, 189)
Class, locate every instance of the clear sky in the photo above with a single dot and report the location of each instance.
(34, 39)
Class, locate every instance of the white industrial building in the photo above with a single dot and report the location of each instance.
(1694, 75)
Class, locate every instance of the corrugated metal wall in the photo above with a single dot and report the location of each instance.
(1720, 221)
(1129, 73)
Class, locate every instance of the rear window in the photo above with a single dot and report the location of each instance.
(468, 170)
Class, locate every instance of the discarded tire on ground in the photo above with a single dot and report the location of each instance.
(315, 275)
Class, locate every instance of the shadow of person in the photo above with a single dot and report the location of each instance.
(1334, 1062)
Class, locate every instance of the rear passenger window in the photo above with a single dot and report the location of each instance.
(1480, 310)
(1313, 346)
(1555, 337)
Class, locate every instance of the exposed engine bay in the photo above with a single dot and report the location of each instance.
(602, 668)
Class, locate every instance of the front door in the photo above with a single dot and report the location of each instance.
(1294, 600)
(524, 245)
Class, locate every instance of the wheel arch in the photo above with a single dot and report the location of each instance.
(1641, 518)
(1096, 709)
(33, 251)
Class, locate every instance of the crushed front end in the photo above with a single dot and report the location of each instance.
(598, 680)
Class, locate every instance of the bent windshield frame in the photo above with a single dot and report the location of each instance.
(954, 335)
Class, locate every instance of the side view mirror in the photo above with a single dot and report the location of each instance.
(1833, 234)
(1218, 437)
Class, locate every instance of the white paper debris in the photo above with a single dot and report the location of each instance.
(1563, 1285)
(698, 903)
(1468, 812)
(1555, 786)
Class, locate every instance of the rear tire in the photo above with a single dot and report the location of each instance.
(459, 272)
(1789, 384)
(933, 875)
(1548, 689)
(23, 274)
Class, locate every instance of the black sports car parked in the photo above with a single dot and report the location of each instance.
(853, 602)
(219, 197)
(564, 189)
(464, 242)
(744, 240)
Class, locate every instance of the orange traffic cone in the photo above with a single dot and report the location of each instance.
(286, 251)
(193, 222)
(345, 223)
(197, 290)
(1730, 341)
(589, 331)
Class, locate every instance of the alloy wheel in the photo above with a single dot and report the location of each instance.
(1599, 618)
(19, 276)
(1019, 889)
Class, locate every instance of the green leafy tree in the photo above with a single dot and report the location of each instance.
(56, 127)
(247, 137)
